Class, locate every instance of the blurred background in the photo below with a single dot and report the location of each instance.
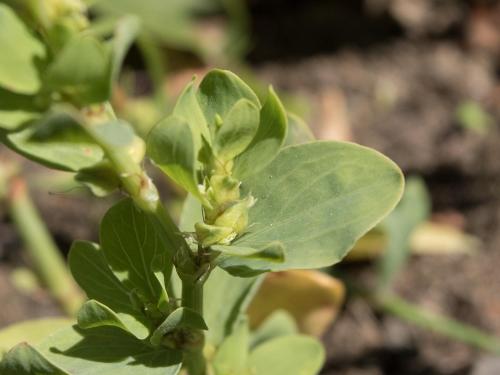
(418, 80)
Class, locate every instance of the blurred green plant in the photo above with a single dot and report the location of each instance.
(472, 116)
(38, 242)
(254, 206)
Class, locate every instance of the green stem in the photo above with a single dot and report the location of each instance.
(438, 323)
(192, 297)
(41, 248)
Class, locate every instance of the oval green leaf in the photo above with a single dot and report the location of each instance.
(188, 108)
(219, 91)
(267, 142)
(171, 146)
(317, 199)
(56, 141)
(237, 130)
(91, 271)
(107, 350)
(133, 247)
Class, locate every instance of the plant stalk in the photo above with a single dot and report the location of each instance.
(41, 248)
(192, 297)
(438, 323)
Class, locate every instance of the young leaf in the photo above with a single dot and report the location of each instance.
(171, 147)
(91, 271)
(95, 314)
(268, 140)
(107, 350)
(20, 54)
(246, 262)
(232, 355)
(82, 70)
(317, 199)
(132, 245)
(56, 141)
(288, 355)
(188, 108)
(237, 130)
(25, 360)
(182, 317)
(100, 178)
(219, 91)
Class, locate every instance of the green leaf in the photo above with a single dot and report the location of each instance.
(25, 360)
(136, 251)
(182, 317)
(101, 178)
(171, 146)
(237, 131)
(412, 210)
(232, 355)
(188, 108)
(225, 297)
(280, 323)
(82, 71)
(126, 31)
(288, 355)
(268, 140)
(21, 54)
(32, 331)
(91, 271)
(107, 350)
(298, 131)
(246, 262)
(16, 110)
(273, 251)
(95, 314)
(56, 141)
(219, 91)
(317, 199)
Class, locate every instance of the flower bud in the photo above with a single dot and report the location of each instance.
(137, 149)
(236, 216)
(223, 189)
(209, 235)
